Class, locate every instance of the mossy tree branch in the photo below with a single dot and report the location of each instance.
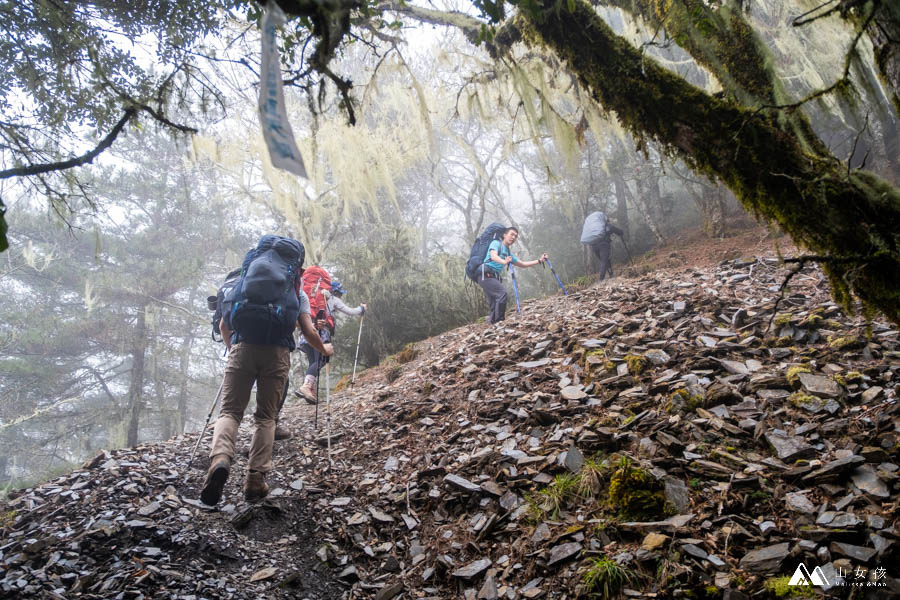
(722, 40)
(810, 195)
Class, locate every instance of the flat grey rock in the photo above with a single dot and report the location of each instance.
(819, 385)
(460, 483)
(563, 552)
(473, 569)
(865, 479)
(788, 448)
(766, 560)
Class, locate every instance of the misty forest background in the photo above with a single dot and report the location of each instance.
(104, 328)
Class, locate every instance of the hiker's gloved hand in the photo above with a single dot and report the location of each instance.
(329, 349)
(544, 257)
(320, 324)
(365, 307)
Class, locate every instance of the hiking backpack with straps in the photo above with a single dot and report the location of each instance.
(264, 303)
(316, 282)
(594, 228)
(479, 251)
(218, 303)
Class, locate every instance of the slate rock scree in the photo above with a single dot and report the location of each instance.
(458, 479)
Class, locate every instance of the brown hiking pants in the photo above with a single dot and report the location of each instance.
(268, 367)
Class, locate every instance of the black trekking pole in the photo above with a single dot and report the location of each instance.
(552, 270)
(356, 358)
(512, 272)
(212, 409)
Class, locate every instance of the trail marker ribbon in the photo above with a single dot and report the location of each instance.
(276, 128)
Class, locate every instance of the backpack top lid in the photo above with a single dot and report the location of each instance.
(492, 232)
(290, 250)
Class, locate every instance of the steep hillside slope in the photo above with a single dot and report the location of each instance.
(672, 435)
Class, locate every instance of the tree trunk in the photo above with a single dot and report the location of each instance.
(622, 208)
(812, 195)
(641, 203)
(184, 364)
(136, 388)
(884, 31)
(711, 203)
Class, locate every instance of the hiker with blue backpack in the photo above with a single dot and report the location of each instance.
(493, 246)
(597, 233)
(266, 304)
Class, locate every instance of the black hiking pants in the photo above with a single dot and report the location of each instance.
(601, 250)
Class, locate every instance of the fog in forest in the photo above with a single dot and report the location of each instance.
(105, 333)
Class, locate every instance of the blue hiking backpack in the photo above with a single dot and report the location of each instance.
(479, 250)
(264, 303)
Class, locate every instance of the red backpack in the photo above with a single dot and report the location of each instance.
(316, 281)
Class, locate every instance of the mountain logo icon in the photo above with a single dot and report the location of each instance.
(802, 576)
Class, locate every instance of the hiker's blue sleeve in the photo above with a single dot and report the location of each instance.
(495, 245)
(515, 258)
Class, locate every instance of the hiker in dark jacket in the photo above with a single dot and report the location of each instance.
(267, 366)
(334, 305)
(602, 245)
(490, 278)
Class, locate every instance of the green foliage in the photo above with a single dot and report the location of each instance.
(635, 493)
(7, 518)
(781, 588)
(409, 298)
(554, 497)
(604, 578)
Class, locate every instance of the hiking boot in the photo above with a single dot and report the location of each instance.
(282, 433)
(307, 393)
(215, 480)
(255, 486)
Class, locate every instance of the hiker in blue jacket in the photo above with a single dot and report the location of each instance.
(490, 278)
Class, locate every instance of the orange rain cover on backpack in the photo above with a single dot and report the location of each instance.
(317, 281)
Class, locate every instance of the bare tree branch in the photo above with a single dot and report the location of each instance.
(77, 161)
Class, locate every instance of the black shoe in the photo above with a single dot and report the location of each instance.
(215, 480)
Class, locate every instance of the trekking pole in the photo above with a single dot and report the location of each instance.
(316, 420)
(356, 358)
(328, 412)
(512, 272)
(552, 270)
(205, 425)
